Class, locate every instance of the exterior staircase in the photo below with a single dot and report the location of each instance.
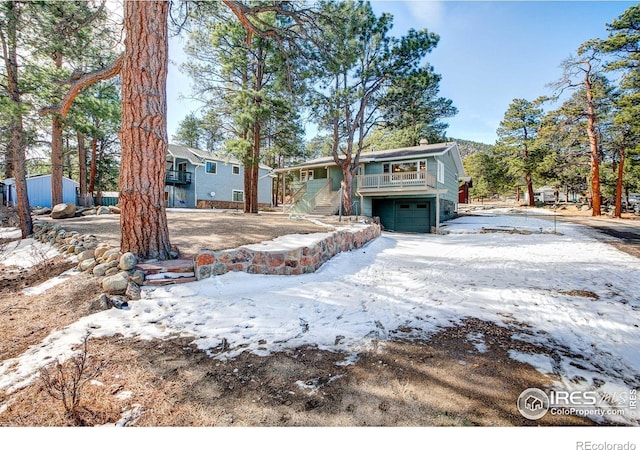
(327, 204)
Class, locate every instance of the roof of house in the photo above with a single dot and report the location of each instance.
(11, 181)
(199, 157)
(395, 154)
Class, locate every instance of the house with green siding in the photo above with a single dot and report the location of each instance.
(411, 189)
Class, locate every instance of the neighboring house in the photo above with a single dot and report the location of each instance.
(410, 189)
(463, 190)
(39, 191)
(202, 179)
(547, 194)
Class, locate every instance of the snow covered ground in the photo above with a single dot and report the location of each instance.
(572, 295)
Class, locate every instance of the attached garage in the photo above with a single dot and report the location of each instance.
(409, 215)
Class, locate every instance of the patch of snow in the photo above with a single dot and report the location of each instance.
(477, 339)
(52, 282)
(10, 233)
(27, 253)
(294, 241)
(542, 363)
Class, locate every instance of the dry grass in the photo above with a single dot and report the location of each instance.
(442, 382)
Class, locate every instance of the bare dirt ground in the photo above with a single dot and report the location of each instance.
(411, 380)
(199, 229)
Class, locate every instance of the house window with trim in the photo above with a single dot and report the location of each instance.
(237, 196)
(440, 172)
(211, 167)
(306, 175)
(235, 169)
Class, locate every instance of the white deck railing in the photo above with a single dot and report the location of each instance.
(396, 181)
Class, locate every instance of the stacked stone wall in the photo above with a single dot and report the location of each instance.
(305, 259)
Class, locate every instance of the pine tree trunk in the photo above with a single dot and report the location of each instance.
(255, 167)
(94, 165)
(347, 186)
(56, 148)
(56, 161)
(82, 170)
(532, 200)
(143, 219)
(16, 144)
(595, 154)
(618, 211)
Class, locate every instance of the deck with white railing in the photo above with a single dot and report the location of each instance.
(396, 182)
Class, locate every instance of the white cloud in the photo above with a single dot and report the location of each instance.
(429, 14)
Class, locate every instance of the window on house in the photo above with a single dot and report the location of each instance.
(237, 196)
(411, 166)
(440, 172)
(306, 175)
(211, 167)
(235, 170)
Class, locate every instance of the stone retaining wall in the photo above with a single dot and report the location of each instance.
(220, 204)
(305, 259)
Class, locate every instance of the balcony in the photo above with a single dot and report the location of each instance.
(178, 177)
(396, 182)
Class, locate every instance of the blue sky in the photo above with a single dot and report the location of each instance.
(489, 53)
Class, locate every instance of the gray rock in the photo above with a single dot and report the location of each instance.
(137, 277)
(113, 251)
(100, 250)
(41, 211)
(100, 270)
(115, 284)
(133, 291)
(101, 303)
(119, 302)
(128, 261)
(87, 254)
(112, 257)
(112, 271)
(63, 211)
(87, 264)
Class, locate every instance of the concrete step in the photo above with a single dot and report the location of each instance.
(166, 281)
(171, 271)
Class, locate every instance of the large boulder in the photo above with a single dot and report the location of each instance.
(63, 211)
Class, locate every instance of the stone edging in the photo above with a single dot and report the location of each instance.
(120, 279)
(297, 261)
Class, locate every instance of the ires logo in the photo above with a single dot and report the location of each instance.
(559, 399)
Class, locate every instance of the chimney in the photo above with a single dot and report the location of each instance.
(424, 142)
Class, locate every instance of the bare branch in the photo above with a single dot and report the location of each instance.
(79, 82)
